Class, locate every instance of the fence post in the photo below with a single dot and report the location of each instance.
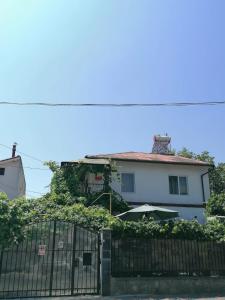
(105, 269)
(52, 258)
(73, 258)
(1, 260)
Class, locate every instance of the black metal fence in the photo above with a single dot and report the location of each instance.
(152, 257)
(55, 258)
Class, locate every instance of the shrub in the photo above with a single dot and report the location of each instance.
(216, 205)
(15, 214)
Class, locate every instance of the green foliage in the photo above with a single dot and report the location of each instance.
(13, 216)
(69, 186)
(118, 204)
(70, 200)
(216, 173)
(215, 230)
(217, 178)
(185, 153)
(216, 205)
(16, 214)
(179, 229)
(192, 230)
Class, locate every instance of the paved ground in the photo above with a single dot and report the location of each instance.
(129, 297)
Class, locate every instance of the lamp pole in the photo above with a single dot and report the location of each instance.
(110, 200)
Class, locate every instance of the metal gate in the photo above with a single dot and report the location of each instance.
(56, 258)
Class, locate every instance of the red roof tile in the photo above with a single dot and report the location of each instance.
(150, 157)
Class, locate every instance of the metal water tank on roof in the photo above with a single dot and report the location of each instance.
(161, 144)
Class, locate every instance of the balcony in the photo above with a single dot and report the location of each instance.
(91, 187)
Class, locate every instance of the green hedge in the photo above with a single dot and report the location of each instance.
(15, 214)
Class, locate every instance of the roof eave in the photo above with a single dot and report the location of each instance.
(18, 157)
(101, 162)
(153, 161)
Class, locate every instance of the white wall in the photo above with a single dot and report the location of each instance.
(12, 182)
(189, 213)
(152, 185)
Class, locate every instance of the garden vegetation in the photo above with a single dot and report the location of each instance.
(70, 200)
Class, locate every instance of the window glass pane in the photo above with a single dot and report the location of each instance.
(173, 182)
(2, 171)
(183, 185)
(127, 184)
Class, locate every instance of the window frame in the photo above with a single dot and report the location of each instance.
(130, 173)
(178, 182)
(2, 172)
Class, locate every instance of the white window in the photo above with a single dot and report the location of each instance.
(127, 182)
(178, 185)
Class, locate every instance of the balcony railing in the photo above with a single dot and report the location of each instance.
(91, 187)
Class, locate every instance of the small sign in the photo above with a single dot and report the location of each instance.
(98, 177)
(87, 259)
(60, 245)
(42, 250)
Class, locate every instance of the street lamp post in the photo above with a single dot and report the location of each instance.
(110, 200)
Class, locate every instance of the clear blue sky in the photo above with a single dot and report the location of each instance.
(110, 51)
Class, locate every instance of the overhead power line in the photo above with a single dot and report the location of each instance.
(204, 103)
(26, 167)
(34, 168)
(35, 192)
(25, 154)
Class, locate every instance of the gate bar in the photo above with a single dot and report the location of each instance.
(1, 259)
(52, 260)
(98, 264)
(73, 259)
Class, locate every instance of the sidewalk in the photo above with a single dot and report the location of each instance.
(128, 297)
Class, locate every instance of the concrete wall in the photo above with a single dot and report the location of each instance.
(168, 285)
(12, 182)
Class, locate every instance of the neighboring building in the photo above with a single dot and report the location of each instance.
(12, 179)
(159, 178)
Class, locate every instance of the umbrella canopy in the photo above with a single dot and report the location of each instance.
(157, 213)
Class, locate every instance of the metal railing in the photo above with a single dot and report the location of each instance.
(55, 258)
(90, 187)
(150, 257)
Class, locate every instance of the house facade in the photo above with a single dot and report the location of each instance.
(12, 179)
(161, 179)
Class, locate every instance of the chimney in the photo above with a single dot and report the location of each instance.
(161, 144)
(14, 150)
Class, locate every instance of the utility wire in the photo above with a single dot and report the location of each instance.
(12, 188)
(204, 103)
(40, 169)
(30, 156)
(35, 192)
(26, 167)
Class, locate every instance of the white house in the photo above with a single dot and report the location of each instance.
(12, 179)
(158, 178)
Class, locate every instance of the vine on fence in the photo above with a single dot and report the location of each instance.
(15, 214)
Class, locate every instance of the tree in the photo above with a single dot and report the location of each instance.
(14, 214)
(216, 205)
(69, 186)
(185, 153)
(216, 172)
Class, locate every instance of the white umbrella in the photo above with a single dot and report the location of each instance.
(157, 213)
